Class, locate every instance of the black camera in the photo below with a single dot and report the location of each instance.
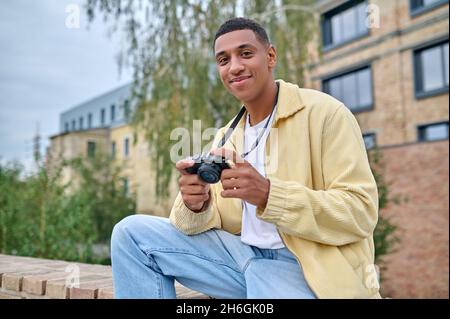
(208, 167)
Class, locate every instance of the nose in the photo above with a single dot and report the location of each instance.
(236, 66)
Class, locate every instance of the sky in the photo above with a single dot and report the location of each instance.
(50, 61)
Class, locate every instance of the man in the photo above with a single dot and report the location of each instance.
(293, 219)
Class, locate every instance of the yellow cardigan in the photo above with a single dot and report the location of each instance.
(323, 197)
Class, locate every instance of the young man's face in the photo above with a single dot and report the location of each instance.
(244, 63)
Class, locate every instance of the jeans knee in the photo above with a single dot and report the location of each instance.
(134, 227)
(122, 229)
(118, 232)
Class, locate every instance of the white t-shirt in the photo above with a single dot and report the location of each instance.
(256, 232)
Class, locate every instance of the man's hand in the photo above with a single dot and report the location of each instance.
(194, 191)
(243, 180)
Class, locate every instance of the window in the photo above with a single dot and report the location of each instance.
(420, 6)
(126, 147)
(126, 107)
(90, 120)
(431, 70)
(345, 23)
(113, 112)
(354, 89)
(370, 140)
(91, 149)
(102, 117)
(433, 132)
(80, 125)
(73, 125)
(66, 127)
(126, 186)
(113, 149)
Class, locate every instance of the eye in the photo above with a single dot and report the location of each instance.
(246, 53)
(222, 61)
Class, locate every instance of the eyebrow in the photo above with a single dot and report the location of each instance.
(242, 46)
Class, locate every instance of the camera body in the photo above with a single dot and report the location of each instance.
(208, 167)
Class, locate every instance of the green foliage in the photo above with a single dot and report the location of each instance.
(170, 49)
(100, 191)
(42, 218)
(384, 234)
(385, 239)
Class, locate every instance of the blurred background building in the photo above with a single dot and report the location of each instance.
(102, 125)
(394, 79)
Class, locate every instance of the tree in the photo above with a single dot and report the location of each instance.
(384, 234)
(41, 217)
(169, 47)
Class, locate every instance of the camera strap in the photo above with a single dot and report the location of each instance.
(238, 118)
(232, 127)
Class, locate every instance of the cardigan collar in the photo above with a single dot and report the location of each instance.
(289, 103)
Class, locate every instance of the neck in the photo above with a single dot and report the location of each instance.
(261, 107)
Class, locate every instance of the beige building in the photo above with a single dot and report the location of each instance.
(100, 125)
(135, 158)
(74, 144)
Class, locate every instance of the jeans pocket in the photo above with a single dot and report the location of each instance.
(285, 255)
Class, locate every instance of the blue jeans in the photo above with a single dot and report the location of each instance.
(148, 254)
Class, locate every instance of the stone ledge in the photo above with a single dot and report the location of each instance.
(36, 278)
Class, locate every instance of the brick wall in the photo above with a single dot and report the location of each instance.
(420, 266)
(36, 278)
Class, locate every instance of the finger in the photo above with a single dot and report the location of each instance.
(195, 199)
(194, 189)
(231, 193)
(181, 165)
(230, 183)
(230, 173)
(191, 179)
(229, 155)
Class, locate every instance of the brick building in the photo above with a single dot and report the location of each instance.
(388, 62)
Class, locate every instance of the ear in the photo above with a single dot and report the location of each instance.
(272, 57)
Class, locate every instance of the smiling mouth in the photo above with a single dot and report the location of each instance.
(240, 79)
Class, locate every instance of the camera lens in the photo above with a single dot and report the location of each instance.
(209, 173)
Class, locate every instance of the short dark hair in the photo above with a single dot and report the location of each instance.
(235, 24)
